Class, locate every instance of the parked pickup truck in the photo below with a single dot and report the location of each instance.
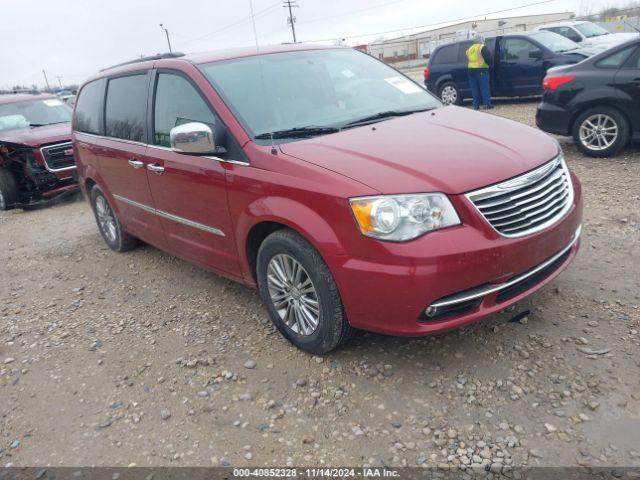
(36, 156)
(519, 64)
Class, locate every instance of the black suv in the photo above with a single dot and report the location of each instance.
(596, 101)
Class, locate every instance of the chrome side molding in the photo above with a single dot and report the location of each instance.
(170, 216)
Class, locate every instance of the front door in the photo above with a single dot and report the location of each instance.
(189, 191)
(121, 153)
(521, 67)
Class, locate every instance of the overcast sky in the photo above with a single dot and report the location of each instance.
(75, 38)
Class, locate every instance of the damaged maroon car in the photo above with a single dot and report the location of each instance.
(36, 156)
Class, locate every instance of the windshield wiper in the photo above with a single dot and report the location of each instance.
(297, 132)
(382, 115)
(37, 124)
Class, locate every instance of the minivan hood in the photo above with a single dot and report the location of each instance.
(450, 150)
(37, 136)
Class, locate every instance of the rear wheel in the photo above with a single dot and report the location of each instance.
(108, 223)
(8, 190)
(449, 94)
(300, 294)
(601, 132)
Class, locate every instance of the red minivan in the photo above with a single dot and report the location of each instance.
(340, 188)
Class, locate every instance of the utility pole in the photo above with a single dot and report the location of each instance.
(59, 80)
(46, 80)
(166, 31)
(291, 20)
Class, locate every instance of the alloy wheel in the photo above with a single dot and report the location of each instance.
(293, 294)
(449, 95)
(598, 132)
(106, 219)
(3, 203)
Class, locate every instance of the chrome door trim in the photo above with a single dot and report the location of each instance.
(210, 157)
(170, 216)
(482, 291)
(217, 159)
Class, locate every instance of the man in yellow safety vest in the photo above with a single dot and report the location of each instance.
(479, 58)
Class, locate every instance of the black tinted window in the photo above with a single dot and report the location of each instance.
(126, 107)
(89, 106)
(177, 102)
(616, 60)
(518, 49)
(448, 54)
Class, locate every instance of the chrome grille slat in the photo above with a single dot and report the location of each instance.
(535, 213)
(559, 194)
(534, 222)
(527, 203)
(512, 197)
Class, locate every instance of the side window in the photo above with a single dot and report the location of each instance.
(126, 107)
(567, 32)
(616, 60)
(89, 106)
(178, 102)
(518, 49)
(448, 54)
(462, 54)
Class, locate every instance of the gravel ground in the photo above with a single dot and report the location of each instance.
(140, 358)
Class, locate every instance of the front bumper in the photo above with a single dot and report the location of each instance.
(553, 118)
(445, 268)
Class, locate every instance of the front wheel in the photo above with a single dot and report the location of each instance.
(449, 94)
(601, 132)
(8, 190)
(300, 294)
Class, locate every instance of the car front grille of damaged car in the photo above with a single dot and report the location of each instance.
(58, 157)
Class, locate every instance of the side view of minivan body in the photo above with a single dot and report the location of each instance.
(341, 189)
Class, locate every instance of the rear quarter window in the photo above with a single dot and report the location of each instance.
(616, 60)
(89, 107)
(446, 55)
(126, 107)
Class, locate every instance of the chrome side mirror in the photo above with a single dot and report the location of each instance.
(193, 138)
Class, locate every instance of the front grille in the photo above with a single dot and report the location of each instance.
(58, 157)
(527, 203)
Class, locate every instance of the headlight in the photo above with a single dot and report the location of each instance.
(403, 217)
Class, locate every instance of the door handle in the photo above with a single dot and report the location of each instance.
(136, 163)
(152, 167)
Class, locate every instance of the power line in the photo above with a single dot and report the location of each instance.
(350, 12)
(231, 25)
(443, 22)
(291, 20)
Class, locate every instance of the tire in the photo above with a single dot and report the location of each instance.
(109, 224)
(8, 190)
(604, 144)
(449, 94)
(332, 328)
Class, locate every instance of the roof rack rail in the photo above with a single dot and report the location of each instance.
(158, 56)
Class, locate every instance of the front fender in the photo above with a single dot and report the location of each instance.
(299, 217)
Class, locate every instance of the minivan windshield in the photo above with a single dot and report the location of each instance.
(313, 92)
(554, 42)
(591, 30)
(33, 113)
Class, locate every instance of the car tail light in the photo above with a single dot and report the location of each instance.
(426, 73)
(553, 83)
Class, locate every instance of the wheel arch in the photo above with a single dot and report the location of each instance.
(262, 217)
